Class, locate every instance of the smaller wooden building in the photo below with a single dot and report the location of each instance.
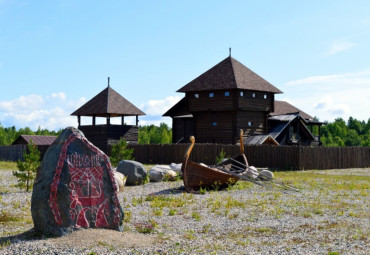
(108, 104)
(38, 140)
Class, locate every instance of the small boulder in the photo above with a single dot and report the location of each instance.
(176, 167)
(120, 180)
(133, 170)
(266, 175)
(156, 176)
(158, 172)
(252, 172)
(171, 175)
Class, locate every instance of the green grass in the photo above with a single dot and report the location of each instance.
(6, 216)
(8, 165)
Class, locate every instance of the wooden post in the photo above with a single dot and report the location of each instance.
(93, 120)
(137, 120)
(108, 120)
(79, 120)
(122, 120)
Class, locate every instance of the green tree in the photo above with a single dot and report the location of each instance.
(120, 151)
(27, 169)
(352, 139)
(155, 135)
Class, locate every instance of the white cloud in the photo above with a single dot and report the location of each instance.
(159, 107)
(60, 95)
(332, 96)
(357, 78)
(339, 47)
(51, 112)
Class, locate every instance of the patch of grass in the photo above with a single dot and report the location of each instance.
(6, 216)
(108, 245)
(172, 212)
(165, 201)
(189, 234)
(196, 216)
(206, 228)
(8, 165)
(144, 228)
(333, 253)
(158, 211)
(127, 216)
(5, 243)
(137, 201)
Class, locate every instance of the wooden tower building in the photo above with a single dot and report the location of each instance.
(108, 104)
(229, 97)
(220, 102)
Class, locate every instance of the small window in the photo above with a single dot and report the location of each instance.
(241, 93)
(227, 93)
(254, 95)
(214, 124)
(211, 94)
(196, 95)
(265, 96)
(249, 123)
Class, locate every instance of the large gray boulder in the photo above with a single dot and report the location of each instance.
(75, 188)
(133, 170)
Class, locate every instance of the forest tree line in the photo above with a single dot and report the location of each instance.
(338, 133)
(147, 134)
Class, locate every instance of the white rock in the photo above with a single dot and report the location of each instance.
(266, 175)
(176, 167)
(171, 175)
(120, 180)
(252, 172)
(155, 175)
(157, 172)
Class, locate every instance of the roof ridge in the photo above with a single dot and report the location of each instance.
(108, 98)
(233, 68)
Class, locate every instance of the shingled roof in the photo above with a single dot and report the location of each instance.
(179, 109)
(108, 103)
(229, 74)
(282, 107)
(36, 139)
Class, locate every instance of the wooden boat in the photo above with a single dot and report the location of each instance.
(198, 176)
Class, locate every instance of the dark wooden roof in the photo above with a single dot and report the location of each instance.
(108, 103)
(37, 139)
(281, 122)
(179, 109)
(282, 107)
(229, 74)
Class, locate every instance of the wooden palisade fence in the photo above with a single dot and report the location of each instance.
(274, 157)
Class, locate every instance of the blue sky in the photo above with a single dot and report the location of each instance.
(56, 55)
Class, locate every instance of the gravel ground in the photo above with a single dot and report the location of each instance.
(241, 220)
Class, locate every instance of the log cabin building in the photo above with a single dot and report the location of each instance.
(229, 97)
(108, 104)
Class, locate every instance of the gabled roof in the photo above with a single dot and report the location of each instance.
(36, 139)
(108, 103)
(261, 139)
(229, 74)
(282, 121)
(282, 107)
